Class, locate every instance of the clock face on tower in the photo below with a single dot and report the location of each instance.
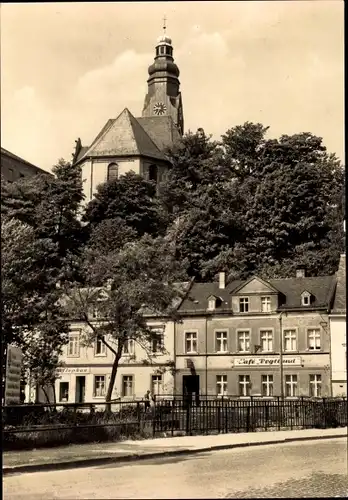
(159, 108)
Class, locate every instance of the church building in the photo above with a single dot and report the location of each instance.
(128, 143)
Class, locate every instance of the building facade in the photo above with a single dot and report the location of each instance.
(338, 333)
(14, 168)
(127, 143)
(255, 338)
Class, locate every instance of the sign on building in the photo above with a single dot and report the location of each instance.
(267, 361)
(77, 370)
(13, 375)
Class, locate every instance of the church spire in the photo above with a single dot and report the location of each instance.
(163, 97)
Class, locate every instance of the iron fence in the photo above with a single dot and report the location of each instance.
(51, 424)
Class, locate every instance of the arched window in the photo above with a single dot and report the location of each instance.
(153, 173)
(112, 171)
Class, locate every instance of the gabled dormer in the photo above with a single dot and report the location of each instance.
(214, 302)
(307, 298)
(254, 296)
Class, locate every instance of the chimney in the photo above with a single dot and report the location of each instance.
(222, 280)
(301, 272)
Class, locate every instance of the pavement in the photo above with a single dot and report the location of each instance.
(94, 454)
(298, 469)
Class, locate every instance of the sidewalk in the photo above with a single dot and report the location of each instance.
(88, 455)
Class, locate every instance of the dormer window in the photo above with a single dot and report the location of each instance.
(211, 303)
(306, 299)
(244, 304)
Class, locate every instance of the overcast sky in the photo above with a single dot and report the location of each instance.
(69, 67)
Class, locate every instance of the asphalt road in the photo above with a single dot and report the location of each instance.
(296, 470)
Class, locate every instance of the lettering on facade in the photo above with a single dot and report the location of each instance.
(13, 375)
(64, 371)
(264, 361)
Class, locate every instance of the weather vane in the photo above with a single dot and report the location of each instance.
(164, 24)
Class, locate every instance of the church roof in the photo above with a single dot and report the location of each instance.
(161, 129)
(123, 136)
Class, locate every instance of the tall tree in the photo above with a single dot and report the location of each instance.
(123, 285)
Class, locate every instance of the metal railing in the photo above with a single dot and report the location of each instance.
(51, 424)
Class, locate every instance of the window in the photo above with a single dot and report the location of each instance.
(265, 304)
(153, 173)
(221, 341)
(244, 385)
(128, 347)
(315, 386)
(314, 339)
(290, 340)
(99, 386)
(112, 172)
(190, 342)
(221, 385)
(94, 312)
(267, 385)
(244, 341)
(127, 386)
(211, 304)
(21, 175)
(157, 343)
(162, 49)
(244, 305)
(290, 386)
(74, 345)
(306, 299)
(266, 337)
(10, 172)
(64, 392)
(157, 384)
(99, 348)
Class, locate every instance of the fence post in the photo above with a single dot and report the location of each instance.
(173, 415)
(188, 429)
(219, 418)
(248, 418)
(154, 418)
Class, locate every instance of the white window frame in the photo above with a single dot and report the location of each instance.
(102, 353)
(75, 352)
(268, 339)
(288, 336)
(244, 383)
(192, 340)
(244, 303)
(291, 382)
(248, 336)
(221, 339)
(129, 347)
(306, 299)
(315, 335)
(267, 383)
(315, 385)
(157, 342)
(266, 300)
(60, 392)
(157, 384)
(221, 385)
(128, 378)
(211, 304)
(100, 391)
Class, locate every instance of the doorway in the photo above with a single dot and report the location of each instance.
(190, 386)
(80, 389)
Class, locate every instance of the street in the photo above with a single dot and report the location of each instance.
(301, 469)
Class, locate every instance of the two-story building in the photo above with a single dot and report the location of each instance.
(338, 333)
(255, 337)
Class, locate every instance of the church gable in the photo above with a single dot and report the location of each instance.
(255, 285)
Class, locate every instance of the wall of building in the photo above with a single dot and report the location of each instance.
(338, 355)
(140, 366)
(208, 363)
(14, 168)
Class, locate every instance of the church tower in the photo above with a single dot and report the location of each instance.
(163, 97)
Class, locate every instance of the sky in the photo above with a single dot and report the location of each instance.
(69, 67)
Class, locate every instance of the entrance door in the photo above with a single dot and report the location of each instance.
(80, 389)
(190, 386)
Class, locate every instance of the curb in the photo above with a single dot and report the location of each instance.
(93, 462)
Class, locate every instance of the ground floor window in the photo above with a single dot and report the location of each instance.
(221, 385)
(244, 385)
(267, 385)
(315, 386)
(290, 385)
(157, 385)
(99, 386)
(127, 386)
(64, 392)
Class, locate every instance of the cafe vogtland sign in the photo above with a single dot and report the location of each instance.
(13, 375)
(267, 361)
